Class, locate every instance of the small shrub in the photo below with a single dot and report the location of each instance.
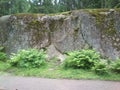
(3, 56)
(30, 58)
(115, 66)
(84, 59)
(101, 68)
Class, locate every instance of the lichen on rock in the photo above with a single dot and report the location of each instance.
(68, 31)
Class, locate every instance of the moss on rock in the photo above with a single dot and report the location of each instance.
(99, 14)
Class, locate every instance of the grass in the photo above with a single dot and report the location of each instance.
(4, 66)
(53, 69)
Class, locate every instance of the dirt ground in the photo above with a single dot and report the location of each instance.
(31, 83)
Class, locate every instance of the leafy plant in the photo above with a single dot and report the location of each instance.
(3, 56)
(115, 66)
(30, 58)
(101, 68)
(84, 59)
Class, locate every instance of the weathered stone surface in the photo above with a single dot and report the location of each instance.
(52, 53)
(98, 29)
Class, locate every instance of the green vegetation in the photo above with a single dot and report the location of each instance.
(101, 68)
(87, 60)
(115, 66)
(52, 6)
(58, 72)
(4, 66)
(84, 59)
(24, 64)
(3, 56)
(100, 18)
(30, 58)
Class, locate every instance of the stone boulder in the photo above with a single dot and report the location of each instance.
(74, 30)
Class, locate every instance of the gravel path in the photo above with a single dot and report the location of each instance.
(31, 83)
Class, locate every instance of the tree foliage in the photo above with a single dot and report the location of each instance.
(52, 6)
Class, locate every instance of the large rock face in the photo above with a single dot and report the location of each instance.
(75, 30)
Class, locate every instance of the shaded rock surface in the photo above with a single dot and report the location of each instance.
(75, 30)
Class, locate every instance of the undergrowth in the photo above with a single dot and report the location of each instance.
(96, 69)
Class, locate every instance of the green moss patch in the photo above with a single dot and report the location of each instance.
(96, 13)
(21, 15)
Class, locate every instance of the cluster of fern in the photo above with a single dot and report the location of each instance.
(89, 59)
(82, 59)
(31, 58)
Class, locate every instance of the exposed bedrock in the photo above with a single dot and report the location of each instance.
(74, 30)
